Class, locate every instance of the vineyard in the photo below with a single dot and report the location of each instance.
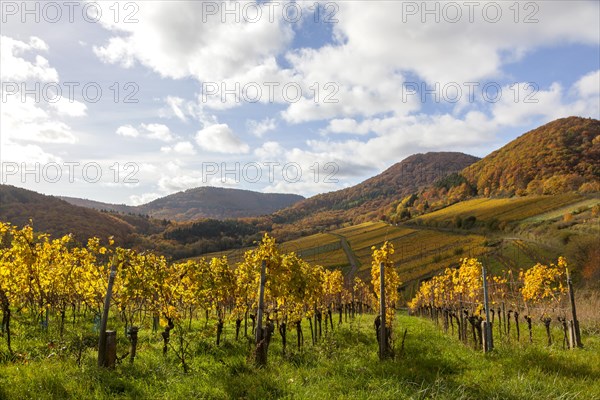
(199, 317)
(464, 296)
(506, 209)
(52, 283)
(322, 248)
(419, 252)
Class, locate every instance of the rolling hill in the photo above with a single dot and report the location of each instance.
(57, 217)
(437, 200)
(561, 156)
(200, 203)
(365, 201)
(217, 203)
(508, 234)
(453, 211)
(98, 205)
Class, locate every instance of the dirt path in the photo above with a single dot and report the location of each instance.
(352, 260)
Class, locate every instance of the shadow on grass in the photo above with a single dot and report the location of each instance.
(113, 383)
(428, 357)
(551, 364)
(252, 384)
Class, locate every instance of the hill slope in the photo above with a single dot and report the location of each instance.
(558, 157)
(98, 205)
(202, 202)
(218, 203)
(365, 201)
(57, 217)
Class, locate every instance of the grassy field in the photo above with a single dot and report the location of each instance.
(343, 365)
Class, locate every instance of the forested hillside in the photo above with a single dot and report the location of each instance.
(558, 157)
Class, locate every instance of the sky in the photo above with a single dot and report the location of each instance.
(125, 102)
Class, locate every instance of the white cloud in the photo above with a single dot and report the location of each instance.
(22, 118)
(30, 153)
(546, 105)
(259, 128)
(179, 40)
(305, 171)
(128, 131)
(345, 85)
(362, 72)
(184, 148)
(27, 120)
(170, 184)
(151, 131)
(148, 168)
(175, 104)
(118, 50)
(369, 67)
(397, 138)
(400, 136)
(220, 138)
(348, 125)
(445, 51)
(158, 132)
(17, 69)
(589, 85)
(65, 107)
(269, 151)
(144, 198)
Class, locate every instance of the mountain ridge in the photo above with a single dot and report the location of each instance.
(201, 202)
(365, 200)
(53, 215)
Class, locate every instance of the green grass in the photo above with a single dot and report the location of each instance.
(344, 365)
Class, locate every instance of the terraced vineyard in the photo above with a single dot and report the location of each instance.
(504, 210)
(429, 251)
(322, 248)
(571, 207)
(514, 254)
(419, 253)
(426, 246)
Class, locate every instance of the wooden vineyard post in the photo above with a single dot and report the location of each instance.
(487, 333)
(111, 349)
(463, 321)
(575, 323)
(486, 330)
(571, 333)
(260, 342)
(132, 332)
(504, 317)
(155, 316)
(382, 327)
(102, 360)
